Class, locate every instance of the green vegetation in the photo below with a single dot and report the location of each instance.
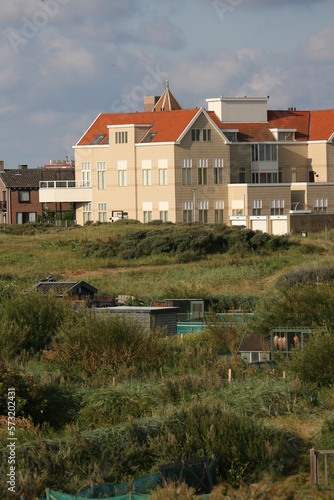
(102, 400)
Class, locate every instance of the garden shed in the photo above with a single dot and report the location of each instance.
(150, 317)
(75, 290)
(255, 348)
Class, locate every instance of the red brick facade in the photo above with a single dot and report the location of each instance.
(19, 202)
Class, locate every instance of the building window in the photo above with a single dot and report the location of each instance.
(294, 174)
(122, 166)
(147, 216)
(219, 212)
(85, 174)
(147, 172)
(121, 137)
(242, 175)
(230, 135)
(264, 177)
(256, 207)
(24, 196)
(203, 209)
(24, 217)
(102, 212)
(101, 175)
(195, 134)
(87, 212)
(187, 208)
(286, 136)
(218, 170)
(207, 135)
(186, 171)
(219, 216)
(162, 169)
(320, 205)
(264, 152)
(163, 214)
(147, 177)
(276, 207)
(202, 164)
(237, 212)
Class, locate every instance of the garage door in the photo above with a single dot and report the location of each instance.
(259, 225)
(279, 226)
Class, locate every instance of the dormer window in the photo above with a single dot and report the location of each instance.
(150, 137)
(286, 136)
(98, 139)
(231, 135)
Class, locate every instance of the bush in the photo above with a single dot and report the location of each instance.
(38, 316)
(29, 398)
(244, 447)
(306, 306)
(107, 342)
(315, 363)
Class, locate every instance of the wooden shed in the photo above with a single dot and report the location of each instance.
(150, 317)
(255, 348)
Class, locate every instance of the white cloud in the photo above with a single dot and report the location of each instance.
(319, 46)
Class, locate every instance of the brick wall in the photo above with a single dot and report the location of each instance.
(33, 205)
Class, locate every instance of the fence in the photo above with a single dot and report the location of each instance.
(315, 463)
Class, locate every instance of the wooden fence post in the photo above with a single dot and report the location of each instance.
(313, 467)
(229, 375)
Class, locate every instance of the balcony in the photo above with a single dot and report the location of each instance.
(59, 191)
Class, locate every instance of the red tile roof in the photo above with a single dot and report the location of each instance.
(167, 125)
(251, 132)
(322, 124)
(248, 132)
(290, 119)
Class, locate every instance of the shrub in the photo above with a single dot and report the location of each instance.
(107, 342)
(29, 398)
(38, 315)
(315, 363)
(306, 305)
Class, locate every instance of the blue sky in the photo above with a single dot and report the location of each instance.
(65, 61)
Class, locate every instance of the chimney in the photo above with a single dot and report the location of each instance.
(149, 102)
(2, 165)
(22, 167)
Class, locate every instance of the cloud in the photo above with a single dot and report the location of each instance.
(161, 31)
(319, 46)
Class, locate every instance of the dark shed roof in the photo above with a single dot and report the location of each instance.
(62, 288)
(252, 342)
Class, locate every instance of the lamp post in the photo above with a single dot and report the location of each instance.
(194, 202)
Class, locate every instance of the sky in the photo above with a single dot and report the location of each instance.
(65, 61)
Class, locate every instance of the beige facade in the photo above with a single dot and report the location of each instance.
(193, 165)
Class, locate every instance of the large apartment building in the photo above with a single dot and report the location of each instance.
(235, 162)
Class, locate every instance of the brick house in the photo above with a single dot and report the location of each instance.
(20, 193)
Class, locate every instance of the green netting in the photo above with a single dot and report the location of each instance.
(141, 485)
(54, 495)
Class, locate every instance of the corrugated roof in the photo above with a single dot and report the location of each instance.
(30, 178)
(168, 126)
